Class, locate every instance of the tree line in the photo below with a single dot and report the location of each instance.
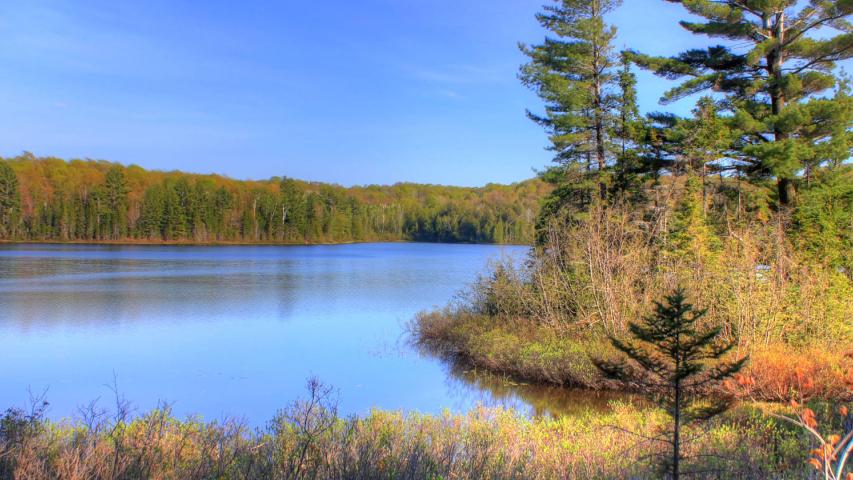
(49, 199)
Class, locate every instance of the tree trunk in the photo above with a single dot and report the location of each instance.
(676, 413)
(784, 185)
(676, 432)
(598, 106)
(600, 154)
(786, 191)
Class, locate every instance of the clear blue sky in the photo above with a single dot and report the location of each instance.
(353, 92)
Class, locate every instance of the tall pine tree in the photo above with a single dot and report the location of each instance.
(773, 90)
(573, 73)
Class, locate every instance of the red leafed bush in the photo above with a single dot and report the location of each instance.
(780, 373)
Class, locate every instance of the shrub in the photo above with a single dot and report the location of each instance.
(781, 373)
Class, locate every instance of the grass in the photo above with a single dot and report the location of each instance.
(526, 352)
(309, 440)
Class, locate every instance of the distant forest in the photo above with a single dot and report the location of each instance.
(50, 199)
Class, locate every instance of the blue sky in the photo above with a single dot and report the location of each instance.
(373, 91)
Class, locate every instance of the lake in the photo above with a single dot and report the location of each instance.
(235, 331)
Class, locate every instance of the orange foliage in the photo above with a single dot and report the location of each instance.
(779, 374)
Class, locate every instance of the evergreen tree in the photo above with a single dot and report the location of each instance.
(222, 202)
(701, 140)
(822, 220)
(151, 219)
(10, 201)
(573, 73)
(203, 215)
(627, 181)
(114, 196)
(268, 218)
(688, 146)
(174, 225)
(691, 238)
(671, 357)
(772, 91)
(184, 216)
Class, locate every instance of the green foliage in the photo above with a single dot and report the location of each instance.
(822, 220)
(100, 201)
(669, 357)
(774, 94)
(627, 181)
(574, 74)
(113, 194)
(690, 237)
(10, 201)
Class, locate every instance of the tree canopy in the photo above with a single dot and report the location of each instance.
(788, 108)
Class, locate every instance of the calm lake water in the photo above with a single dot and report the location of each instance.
(236, 331)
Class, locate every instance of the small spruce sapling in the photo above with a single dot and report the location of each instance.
(673, 359)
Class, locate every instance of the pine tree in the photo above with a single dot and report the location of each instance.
(822, 221)
(772, 91)
(628, 132)
(222, 202)
(268, 218)
(673, 359)
(151, 220)
(10, 201)
(703, 138)
(114, 195)
(573, 73)
(174, 211)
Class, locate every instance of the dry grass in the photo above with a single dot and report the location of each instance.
(309, 441)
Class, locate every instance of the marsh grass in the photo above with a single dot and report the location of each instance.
(309, 440)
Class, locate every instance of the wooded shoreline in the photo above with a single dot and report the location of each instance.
(50, 199)
(187, 243)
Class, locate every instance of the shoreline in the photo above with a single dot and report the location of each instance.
(535, 357)
(226, 243)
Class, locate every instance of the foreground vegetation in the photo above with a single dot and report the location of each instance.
(309, 440)
(48, 199)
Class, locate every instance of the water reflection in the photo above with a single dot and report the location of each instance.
(535, 400)
(235, 331)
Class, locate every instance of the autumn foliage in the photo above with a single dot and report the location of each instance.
(778, 374)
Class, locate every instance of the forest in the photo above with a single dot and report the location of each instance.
(49, 199)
